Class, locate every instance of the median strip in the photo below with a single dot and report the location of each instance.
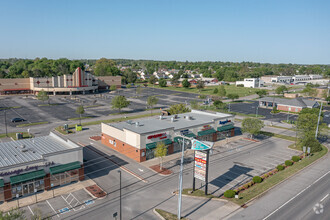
(32, 124)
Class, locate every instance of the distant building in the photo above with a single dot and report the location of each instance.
(290, 105)
(282, 79)
(251, 82)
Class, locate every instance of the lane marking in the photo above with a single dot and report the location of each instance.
(52, 208)
(30, 210)
(296, 196)
(324, 197)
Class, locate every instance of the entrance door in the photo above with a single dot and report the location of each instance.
(31, 188)
(25, 189)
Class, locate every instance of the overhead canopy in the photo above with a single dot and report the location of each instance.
(1, 183)
(192, 135)
(27, 176)
(206, 132)
(225, 127)
(154, 144)
(65, 167)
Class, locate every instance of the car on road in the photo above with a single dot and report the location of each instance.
(17, 120)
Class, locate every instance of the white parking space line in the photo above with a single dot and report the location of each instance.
(30, 210)
(52, 208)
(324, 198)
(259, 166)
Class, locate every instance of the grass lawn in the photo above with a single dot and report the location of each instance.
(208, 90)
(259, 188)
(275, 126)
(285, 137)
(92, 106)
(31, 124)
(198, 192)
(5, 108)
(13, 135)
(295, 147)
(167, 215)
(48, 104)
(72, 119)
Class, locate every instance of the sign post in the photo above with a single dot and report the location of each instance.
(308, 151)
(304, 150)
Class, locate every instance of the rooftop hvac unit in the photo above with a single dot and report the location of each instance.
(172, 119)
(137, 124)
(188, 118)
(160, 117)
(22, 146)
(24, 150)
(129, 122)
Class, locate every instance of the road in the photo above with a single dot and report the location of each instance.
(295, 198)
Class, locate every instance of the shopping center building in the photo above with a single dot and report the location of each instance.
(138, 139)
(31, 165)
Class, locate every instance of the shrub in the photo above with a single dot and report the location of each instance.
(265, 175)
(240, 85)
(246, 186)
(215, 91)
(288, 163)
(128, 86)
(280, 167)
(202, 96)
(250, 184)
(295, 158)
(229, 194)
(257, 179)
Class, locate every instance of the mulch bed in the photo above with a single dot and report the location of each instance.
(164, 171)
(96, 191)
(95, 138)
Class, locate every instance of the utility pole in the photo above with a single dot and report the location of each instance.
(318, 121)
(5, 122)
(120, 215)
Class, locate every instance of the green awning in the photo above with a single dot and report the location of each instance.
(2, 183)
(225, 127)
(27, 176)
(206, 132)
(65, 167)
(154, 144)
(192, 135)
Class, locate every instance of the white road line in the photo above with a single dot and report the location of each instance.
(295, 196)
(52, 208)
(324, 197)
(30, 210)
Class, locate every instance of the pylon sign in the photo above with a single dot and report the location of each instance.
(198, 145)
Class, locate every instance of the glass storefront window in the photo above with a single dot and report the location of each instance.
(26, 188)
(64, 178)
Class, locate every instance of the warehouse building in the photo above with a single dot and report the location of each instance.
(290, 105)
(31, 165)
(138, 139)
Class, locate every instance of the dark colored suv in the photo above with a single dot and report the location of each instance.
(17, 119)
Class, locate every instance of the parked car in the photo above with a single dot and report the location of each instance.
(17, 119)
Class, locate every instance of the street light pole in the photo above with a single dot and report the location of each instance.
(318, 121)
(6, 122)
(180, 180)
(120, 216)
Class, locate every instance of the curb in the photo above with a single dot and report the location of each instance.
(260, 195)
(158, 215)
(200, 197)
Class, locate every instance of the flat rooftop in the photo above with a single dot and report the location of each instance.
(152, 124)
(32, 149)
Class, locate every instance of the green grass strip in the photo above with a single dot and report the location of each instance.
(48, 104)
(197, 192)
(92, 106)
(268, 183)
(5, 108)
(32, 124)
(73, 119)
(13, 135)
(285, 137)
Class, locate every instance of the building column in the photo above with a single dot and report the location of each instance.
(47, 182)
(214, 137)
(54, 93)
(170, 149)
(70, 92)
(81, 173)
(7, 192)
(232, 133)
(84, 92)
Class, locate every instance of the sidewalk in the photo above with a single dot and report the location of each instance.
(29, 200)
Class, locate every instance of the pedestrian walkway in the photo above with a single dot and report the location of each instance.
(32, 199)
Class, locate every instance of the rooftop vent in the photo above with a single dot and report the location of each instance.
(137, 124)
(24, 150)
(160, 117)
(22, 146)
(188, 118)
(172, 119)
(129, 122)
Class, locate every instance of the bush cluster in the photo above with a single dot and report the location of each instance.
(295, 158)
(288, 163)
(229, 194)
(257, 179)
(280, 167)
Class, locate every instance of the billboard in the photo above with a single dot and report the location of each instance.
(200, 165)
(197, 145)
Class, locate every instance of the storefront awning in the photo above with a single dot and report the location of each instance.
(2, 183)
(154, 144)
(225, 127)
(206, 132)
(65, 167)
(192, 135)
(27, 176)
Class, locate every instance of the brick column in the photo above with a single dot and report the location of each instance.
(214, 137)
(232, 132)
(81, 173)
(47, 182)
(7, 192)
(170, 149)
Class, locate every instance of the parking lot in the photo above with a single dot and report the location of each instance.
(60, 206)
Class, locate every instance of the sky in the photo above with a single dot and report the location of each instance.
(267, 31)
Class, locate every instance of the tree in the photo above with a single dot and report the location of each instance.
(261, 93)
(13, 214)
(162, 83)
(194, 104)
(151, 101)
(232, 96)
(42, 95)
(306, 124)
(215, 91)
(119, 102)
(252, 126)
(106, 67)
(222, 91)
(200, 85)
(220, 105)
(309, 91)
(113, 88)
(152, 79)
(310, 141)
(175, 82)
(129, 76)
(160, 152)
(80, 110)
(281, 90)
(185, 83)
(178, 109)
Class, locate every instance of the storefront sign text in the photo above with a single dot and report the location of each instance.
(27, 168)
(224, 122)
(160, 136)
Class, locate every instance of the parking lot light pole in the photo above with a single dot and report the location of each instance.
(180, 180)
(5, 122)
(120, 216)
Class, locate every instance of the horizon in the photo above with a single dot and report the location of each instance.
(278, 32)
